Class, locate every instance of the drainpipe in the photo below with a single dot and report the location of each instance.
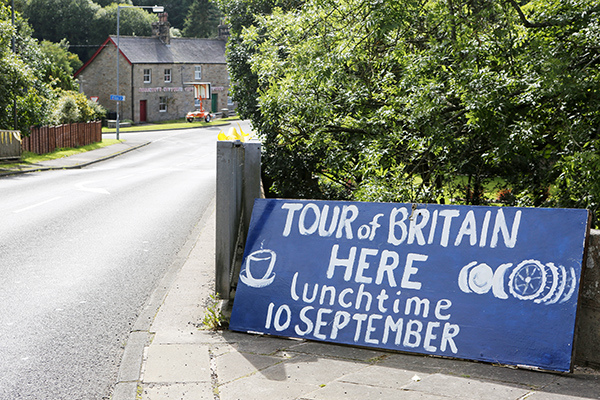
(132, 99)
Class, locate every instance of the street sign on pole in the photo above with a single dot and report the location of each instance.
(117, 97)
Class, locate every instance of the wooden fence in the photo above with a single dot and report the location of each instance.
(46, 139)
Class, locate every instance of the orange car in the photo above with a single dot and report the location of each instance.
(192, 115)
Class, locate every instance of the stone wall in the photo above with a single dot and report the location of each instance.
(178, 96)
(100, 79)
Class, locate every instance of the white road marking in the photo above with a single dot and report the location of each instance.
(37, 205)
(124, 177)
(81, 186)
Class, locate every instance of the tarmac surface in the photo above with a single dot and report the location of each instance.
(78, 160)
(170, 356)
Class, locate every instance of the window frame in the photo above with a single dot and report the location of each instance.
(198, 72)
(147, 75)
(168, 75)
(162, 104)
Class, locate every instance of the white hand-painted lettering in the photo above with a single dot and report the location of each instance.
(530, 280)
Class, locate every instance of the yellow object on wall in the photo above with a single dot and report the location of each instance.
(8, 136)
(233, 134)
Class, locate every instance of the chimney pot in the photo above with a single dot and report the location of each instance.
(161, 29)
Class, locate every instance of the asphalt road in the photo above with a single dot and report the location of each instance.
(81, 251)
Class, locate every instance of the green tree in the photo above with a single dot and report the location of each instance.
(177, 10)
(423, 101)
(241, 14)
(21, 80)
(202, 20)
(132, 22)
(105, 3)
(61, 66)
(55, 20)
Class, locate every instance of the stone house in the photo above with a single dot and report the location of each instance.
(155, 75)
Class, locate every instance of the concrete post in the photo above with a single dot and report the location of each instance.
(587, 341)
(238, 184)
(251, 191)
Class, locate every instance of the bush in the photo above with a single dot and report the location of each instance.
(75, 107)
(392, 101)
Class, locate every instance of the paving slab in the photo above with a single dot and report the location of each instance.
(170, 363)
(345, 391)
(310, 369)
(540, 395)
(234, 365)
(179, 391)
(500, 374)
(258, 388)
(465, 388)
(337, 351)
(258, 344)
(582, 385)
(383, 377)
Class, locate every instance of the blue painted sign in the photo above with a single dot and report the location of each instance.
(117, 97)
(495, 284)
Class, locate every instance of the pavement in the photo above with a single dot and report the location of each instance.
(78, 160)
(171, 356)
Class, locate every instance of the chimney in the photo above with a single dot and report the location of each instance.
(223, 31)
(161, 29)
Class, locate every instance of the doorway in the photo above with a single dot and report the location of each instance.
(215, 103)
(143, 108)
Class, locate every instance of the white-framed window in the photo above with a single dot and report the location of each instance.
(147, 75)
(168, 75)
(198, 72)
(162, 104)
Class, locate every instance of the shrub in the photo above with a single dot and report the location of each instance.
(75, 107)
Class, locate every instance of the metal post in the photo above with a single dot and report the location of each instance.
(155, 9)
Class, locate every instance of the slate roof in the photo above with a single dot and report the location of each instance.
(150, 50)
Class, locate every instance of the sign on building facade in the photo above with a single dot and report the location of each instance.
(495, 284)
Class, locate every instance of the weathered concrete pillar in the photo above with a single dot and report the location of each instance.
(238, 184)
(587, 341)
(251, 185)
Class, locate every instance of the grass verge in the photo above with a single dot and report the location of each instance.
(174, 124)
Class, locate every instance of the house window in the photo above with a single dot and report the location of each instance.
(168, 75)
(198, 72)
(147, 75)
(162, 104)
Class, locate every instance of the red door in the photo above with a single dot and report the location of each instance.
(142, 110)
